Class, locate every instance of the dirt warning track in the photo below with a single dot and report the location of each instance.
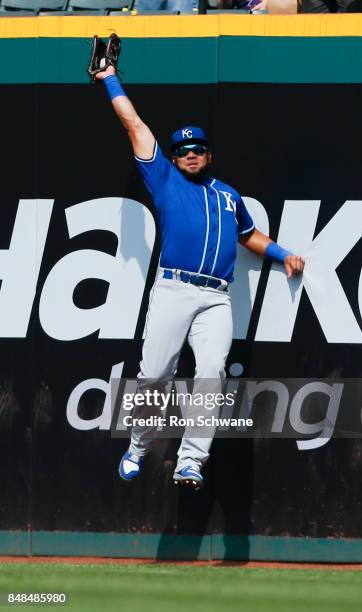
(214, 563)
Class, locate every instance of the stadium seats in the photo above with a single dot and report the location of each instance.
(97, 5)
(30, 7)
(91, 7)
(83, 13)
(144, 13)
(210, 7)
(235, 11)
(5, 13)
(80, 7)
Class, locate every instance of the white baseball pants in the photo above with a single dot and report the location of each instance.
(177, 311)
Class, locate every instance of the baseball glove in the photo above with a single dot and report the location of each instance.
(103, 54)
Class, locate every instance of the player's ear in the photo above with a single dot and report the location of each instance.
(174, 160)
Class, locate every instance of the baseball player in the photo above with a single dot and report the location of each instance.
(201, 220)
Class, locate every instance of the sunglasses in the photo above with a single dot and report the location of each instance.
(198, 149)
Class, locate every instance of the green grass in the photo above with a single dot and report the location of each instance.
(170, 588)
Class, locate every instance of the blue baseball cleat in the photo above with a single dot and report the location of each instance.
(189, 476)
(130, 466)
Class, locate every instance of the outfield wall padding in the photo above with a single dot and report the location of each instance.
(281, 99)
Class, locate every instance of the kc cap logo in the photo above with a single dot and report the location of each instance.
(187, 134)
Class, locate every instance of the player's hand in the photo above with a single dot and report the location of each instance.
(294, 264)
(105, 73)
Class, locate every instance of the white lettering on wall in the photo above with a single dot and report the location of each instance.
(125, 272)
(322, 254)
(247, 273)
(20, 265)
(109, 388)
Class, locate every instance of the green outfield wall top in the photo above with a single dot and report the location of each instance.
(210, 60)
(225, 48)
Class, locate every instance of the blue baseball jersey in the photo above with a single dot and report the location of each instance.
(199, 222)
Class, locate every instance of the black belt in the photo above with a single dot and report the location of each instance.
(195, 279)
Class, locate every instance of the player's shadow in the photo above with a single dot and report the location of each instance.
(133, 223)
(247, 273)
(213, 523)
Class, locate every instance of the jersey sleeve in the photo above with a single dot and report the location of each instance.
(245, 221)
(154, 171)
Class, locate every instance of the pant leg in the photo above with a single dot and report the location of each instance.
(181, 5)
(170, 314)
(210, 338)
(150, 5)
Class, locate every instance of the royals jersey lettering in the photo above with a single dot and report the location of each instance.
(200, 221)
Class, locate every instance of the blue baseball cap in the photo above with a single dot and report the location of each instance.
(188, 134)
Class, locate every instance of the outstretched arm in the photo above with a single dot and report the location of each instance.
(140, 135)
(262, 245)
